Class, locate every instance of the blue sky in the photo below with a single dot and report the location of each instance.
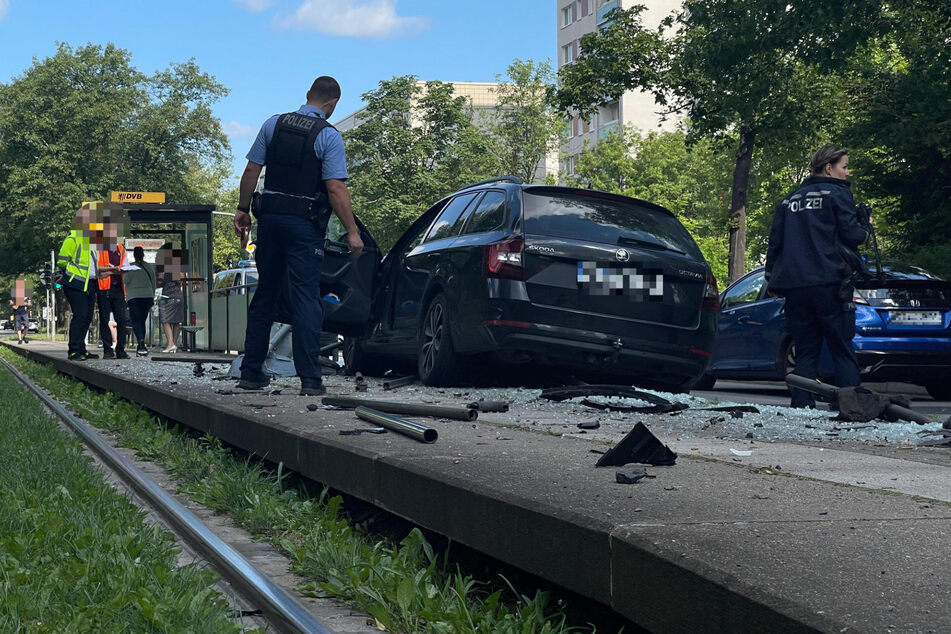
(267, 52)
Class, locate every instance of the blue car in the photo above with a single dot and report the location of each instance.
(903, 332)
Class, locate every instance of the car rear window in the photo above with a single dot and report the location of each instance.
(913, 297)
(606, 221)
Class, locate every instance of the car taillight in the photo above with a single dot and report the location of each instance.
(504, 259)
(711, 295)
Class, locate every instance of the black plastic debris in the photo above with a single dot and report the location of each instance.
(631, 476)
(312, 407)
(641, 446)
(658, 405)
(738, 409)
(589, 425)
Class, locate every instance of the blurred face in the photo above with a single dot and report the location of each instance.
(170, 263)
(21, 291)
(89, 221)
(840, 169)
(114, 226)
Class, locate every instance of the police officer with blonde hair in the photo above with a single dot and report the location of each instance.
(812, 245)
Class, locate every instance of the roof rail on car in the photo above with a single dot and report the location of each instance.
(500, 179)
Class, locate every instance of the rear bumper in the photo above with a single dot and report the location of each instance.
(671, 364)
(911, 367)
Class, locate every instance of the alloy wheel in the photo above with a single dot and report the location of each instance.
(432, 336)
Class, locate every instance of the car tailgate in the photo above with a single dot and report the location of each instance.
(619, 282)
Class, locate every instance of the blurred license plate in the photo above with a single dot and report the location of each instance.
(916, 317)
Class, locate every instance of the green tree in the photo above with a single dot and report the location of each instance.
(691, 181)
(83, 122)
(415, 143)
(895, 107)
(526, 127)
(745, 70)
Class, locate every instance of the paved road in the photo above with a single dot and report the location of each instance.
(774, 393)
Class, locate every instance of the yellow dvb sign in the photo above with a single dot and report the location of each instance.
(137, 197)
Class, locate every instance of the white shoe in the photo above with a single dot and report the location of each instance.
(170, 350)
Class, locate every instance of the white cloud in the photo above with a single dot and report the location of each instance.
(236, 130)
(353, 18)
(255, 6)
(4, 7)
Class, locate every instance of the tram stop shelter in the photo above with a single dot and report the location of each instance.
(155, 225)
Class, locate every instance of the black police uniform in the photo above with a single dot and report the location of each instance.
(807, 262)
(292, 217)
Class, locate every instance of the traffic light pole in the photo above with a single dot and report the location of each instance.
(51, 297)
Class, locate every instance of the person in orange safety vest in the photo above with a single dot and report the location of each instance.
(110, 261)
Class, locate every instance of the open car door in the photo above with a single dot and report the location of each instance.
(347, 282)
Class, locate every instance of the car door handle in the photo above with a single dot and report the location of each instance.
(743, 320)
(340, 249)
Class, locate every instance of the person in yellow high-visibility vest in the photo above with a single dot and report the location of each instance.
(75, 268)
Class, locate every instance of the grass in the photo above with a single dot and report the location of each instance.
(75, 555)
(405, 585)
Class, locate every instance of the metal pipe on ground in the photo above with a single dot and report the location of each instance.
(391, 384)
(397, 424)
(825, 390)
(408, 409)
(489, 406)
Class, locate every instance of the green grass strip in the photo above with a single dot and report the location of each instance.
(75, 555)
(405, 586)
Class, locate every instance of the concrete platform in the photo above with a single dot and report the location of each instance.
(830, 541)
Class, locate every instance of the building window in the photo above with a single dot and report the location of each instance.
(585, 7)
(571, 165)
(568, 15)
(610, 112)
(603, 10)
(574, 126)
(568, 53)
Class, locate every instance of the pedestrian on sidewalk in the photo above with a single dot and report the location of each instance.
(807, 263)
(304, 182)
(140, 286)
(170, 269)
(20, 302)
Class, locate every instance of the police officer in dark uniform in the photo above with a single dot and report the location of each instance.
(812, 242)
(305, 180)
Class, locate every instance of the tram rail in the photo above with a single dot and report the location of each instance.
(282, 610)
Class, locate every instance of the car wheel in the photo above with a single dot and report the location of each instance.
(437, 364)
(939, 391)
(356, 359)
(787, 359)
(705, 382)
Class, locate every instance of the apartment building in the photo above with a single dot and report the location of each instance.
(635, 108)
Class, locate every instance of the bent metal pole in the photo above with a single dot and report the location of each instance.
(281, 609)
(828, 391)
(395, 423)
(409, 409)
